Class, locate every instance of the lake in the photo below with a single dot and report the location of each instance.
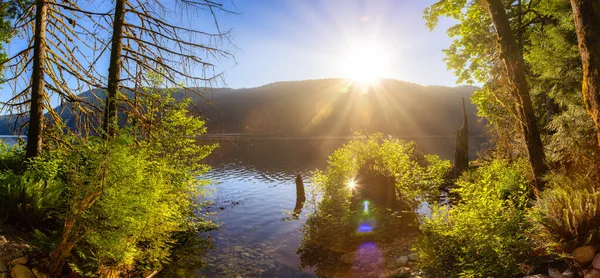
(11, 139)
(255, 185)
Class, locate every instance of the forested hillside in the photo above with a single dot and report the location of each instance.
(328, 107)
(337, 107)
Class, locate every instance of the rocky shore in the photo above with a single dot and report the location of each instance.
(18, 259)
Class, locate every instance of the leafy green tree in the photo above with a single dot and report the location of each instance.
(474, 55)
(9, 10)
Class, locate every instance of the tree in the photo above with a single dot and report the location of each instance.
(57, 43)
(38, 83)
(514, 66)
(151, 43)
(490, 41)
(587, 23)
(114, 69)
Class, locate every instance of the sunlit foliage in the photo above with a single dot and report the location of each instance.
(417, 176)
(340, 223)
(567, 215)
(119, 205)
(482, 235)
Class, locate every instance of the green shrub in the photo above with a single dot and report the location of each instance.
(29, 193)
(567, 215)
(483, 235)
(12, 158)
(129, 197)
(417, 176)
(332, 228)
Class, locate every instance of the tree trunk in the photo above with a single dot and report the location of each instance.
(36, 113)
(461, 151)
(514, 65)
(114, 70)
(587, 26)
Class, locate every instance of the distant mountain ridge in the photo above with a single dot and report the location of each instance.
(335, 107)
(331, 107)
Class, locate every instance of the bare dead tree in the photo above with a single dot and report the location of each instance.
(61, 42)
(154, 40)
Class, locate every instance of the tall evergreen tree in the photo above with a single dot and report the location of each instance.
(114, 69)
(38, 82)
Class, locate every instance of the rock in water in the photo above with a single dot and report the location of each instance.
(555, 273)
(413, 257)
(584, 255)
(21, 271)
(39, 274)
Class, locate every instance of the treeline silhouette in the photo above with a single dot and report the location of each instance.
(324, 107)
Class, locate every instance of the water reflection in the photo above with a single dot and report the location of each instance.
(255, 185)
(351, 239)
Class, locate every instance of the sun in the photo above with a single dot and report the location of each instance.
(365, 63)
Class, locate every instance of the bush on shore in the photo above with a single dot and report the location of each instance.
(484, 233)
(109, 207)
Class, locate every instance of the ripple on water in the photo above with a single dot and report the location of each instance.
(252, 240)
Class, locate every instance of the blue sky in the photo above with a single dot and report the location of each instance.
(282, 40)
(308, 39)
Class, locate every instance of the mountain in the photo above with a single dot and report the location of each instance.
(329, 107)
(335, 107)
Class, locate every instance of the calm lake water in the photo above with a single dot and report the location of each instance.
(11, 139)
(255, 185)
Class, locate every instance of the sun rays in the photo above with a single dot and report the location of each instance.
(365, 62)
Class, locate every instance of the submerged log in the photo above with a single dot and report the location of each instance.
(300, 196)
(461, 151)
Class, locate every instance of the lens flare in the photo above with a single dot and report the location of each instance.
(365, 228)
(366, 204)
(367, 225)
(368, 253)
(352, 184)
